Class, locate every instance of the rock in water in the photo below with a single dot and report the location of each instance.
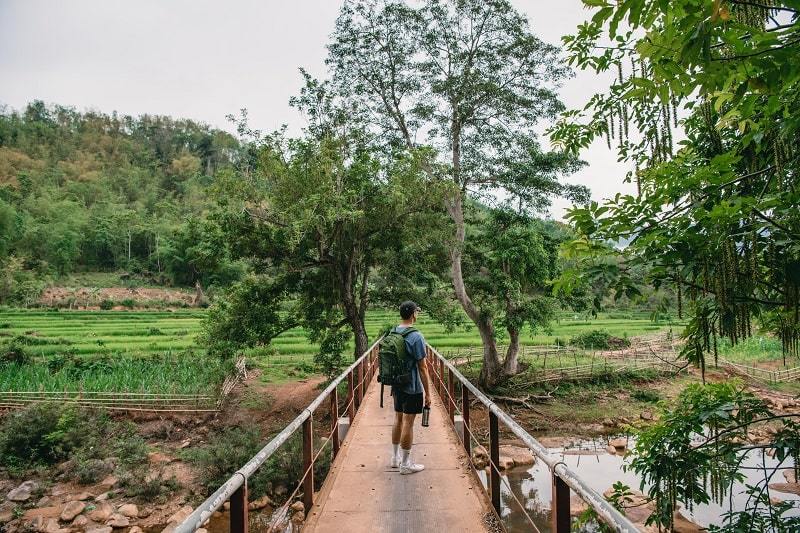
(519, 455)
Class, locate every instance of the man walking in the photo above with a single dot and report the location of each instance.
(408, 399)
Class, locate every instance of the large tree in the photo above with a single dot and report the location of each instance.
(470, 80)
(321, 213)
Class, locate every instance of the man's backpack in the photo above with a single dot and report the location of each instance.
(394, 363)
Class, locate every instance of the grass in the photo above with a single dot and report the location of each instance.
(184, 373)
(757, 349)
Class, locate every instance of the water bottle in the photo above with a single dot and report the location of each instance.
(426, 416)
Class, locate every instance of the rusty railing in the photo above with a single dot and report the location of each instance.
(563, 478)
(358, 376)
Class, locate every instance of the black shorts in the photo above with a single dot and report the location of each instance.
(410, 404)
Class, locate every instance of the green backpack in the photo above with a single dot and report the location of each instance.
(393, 360)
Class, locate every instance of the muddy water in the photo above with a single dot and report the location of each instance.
(532, 486)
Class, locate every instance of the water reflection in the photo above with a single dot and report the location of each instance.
(532, 485)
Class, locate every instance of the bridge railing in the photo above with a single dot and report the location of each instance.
(358, 376)
(445, 376)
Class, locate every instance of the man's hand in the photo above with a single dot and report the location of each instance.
(427, 401)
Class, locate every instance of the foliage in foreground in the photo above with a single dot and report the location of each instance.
(693, 455)
(715, 215)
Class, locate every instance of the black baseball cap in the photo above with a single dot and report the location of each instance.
(407, 309)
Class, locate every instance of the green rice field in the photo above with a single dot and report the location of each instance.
(158, 351)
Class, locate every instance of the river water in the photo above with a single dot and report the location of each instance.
(532, 485)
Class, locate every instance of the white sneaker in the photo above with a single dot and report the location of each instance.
(395, 461)
(411, 468)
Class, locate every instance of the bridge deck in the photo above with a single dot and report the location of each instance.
(362, 493)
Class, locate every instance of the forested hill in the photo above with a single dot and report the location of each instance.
(90, 191)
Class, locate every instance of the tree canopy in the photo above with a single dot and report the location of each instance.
(716, 211)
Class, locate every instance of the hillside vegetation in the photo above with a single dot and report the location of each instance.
(97, 192)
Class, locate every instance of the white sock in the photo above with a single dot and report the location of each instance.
(395, 450)
(406, 455)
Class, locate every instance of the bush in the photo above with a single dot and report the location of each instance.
(44, 434)
(130, 303)
(646, 395)
(599, 339)
(106, 305)
(14, 352)
(229, 449)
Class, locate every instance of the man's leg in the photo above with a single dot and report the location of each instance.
(407, 466)
(407, 434)
(397, 430)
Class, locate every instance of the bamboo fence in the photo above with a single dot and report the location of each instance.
(131, 401)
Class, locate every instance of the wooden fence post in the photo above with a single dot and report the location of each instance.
(239, 520)
(308, 464)
(494, 456)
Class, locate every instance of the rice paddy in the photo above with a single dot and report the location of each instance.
(159, 351)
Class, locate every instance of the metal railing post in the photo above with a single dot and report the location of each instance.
(441, 379)
(239, 521)
(560, 506)
(308, 464)
(351, 411)
(357, 387)
(451, 397)
(361, 371)
(494, 456)
(335, 421)
(465, 415)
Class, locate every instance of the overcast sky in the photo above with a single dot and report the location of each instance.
(203, 60)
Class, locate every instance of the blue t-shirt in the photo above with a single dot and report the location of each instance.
(415, 348)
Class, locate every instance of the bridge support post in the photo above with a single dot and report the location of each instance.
(361, 370)
(335, 421)
(494, 456)
(308, 464)
(560, 506)
(351, 411)
(465, 415)
(451, 397)
(239, 520)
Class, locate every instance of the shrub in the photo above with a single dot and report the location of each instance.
(44, 434)
(14, 352)
(599, 339)
(646, 395)
(130, 303)
(106, 305)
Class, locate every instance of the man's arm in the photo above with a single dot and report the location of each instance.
(423, 375)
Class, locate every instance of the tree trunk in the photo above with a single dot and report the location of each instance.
(511, 363)
(491, 371)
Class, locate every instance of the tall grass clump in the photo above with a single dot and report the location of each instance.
(183, 373)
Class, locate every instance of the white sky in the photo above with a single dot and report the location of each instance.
(203, 60)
